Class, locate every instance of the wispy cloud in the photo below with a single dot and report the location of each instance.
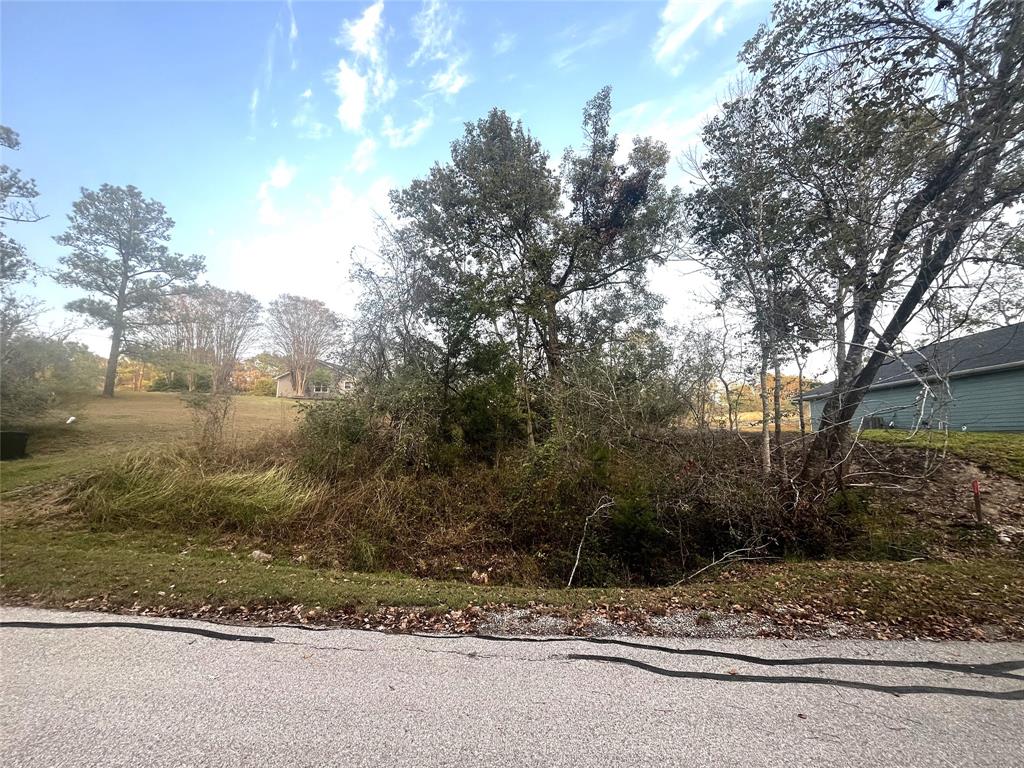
(362, 81)
(505, 42)
(351, 88)
(293, 35)
(265, 79)
(363, 157)
(434, 29)
(677, 119)
(280, 177)
(680, 20)
(405, 136)
(449, 81)
(305, 120)
(564, 56)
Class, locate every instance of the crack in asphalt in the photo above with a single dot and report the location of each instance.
(994, 670)
(209, 633)
(998, 669)
(899, 690)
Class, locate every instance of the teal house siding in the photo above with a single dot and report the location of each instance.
(983, 402)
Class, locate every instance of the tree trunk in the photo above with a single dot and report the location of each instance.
(552, 345)
(766, 444)
(117, 332)
(800, 400)
(728, 403)
(777, 403)
(553, 354)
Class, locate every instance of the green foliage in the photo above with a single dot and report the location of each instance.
(264, 388)
(102, 256)
(636, 538)
(321, 376)
(40, 375)
(329, 433)
(119, 256)
(505, 273)
(201, 382)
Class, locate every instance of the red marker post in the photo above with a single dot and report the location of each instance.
(976, 490)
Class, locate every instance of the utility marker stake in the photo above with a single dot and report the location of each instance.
(976, 490)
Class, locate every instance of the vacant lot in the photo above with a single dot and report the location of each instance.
(175, 569)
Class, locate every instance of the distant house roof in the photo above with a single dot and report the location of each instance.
(320, 363)
(1000, 348)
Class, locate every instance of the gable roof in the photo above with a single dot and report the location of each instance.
(996, 349)
(320, 363)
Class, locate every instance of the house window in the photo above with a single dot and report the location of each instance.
(348, 385)
(321, 389)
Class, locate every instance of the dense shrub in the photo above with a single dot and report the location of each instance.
(40, 375)
(201, 383)
(369, 492)
(264, 388)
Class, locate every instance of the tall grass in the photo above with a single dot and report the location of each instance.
(179, 490)
(356, 498)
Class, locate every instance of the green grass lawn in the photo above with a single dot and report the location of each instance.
(1001, 451)
(108, 427)
(155, 571)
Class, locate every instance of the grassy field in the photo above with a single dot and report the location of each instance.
(108, 427)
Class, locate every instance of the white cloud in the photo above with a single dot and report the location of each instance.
(449, 81)
(325, 230)
(680, 20)
(366, 74)
(363, 157)
(434, 28)
(405, 136)
(364, 36)
(718, 28)
(351, 88)
(282, 174)
(293, 29)
(280, 177)
(677, 120)
(506, 42)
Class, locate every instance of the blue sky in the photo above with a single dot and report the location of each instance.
(273, 131)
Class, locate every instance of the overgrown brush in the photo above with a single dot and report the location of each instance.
(177, 490)
(360, 491)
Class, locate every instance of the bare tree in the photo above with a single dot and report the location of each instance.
(235, 326)
(301, 331)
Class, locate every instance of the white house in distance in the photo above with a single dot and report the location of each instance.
(327, 380)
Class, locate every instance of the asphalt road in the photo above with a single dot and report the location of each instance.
(180, 693)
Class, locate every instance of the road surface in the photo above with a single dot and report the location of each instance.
(181, 693)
